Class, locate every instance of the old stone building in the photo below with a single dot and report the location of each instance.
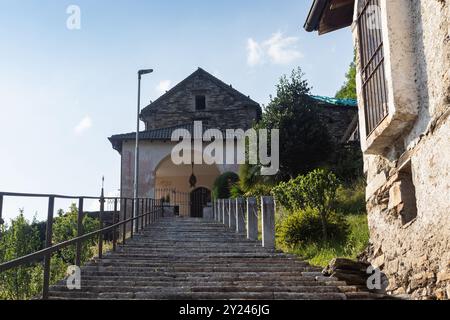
(203, 97)
(200, 97)
(403, 82)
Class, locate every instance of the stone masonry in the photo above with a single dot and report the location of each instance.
(408, 192)
(226, 108)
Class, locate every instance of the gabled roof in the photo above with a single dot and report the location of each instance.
(245, 100)
(329, 15)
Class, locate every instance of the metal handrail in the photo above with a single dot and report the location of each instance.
(148, 208)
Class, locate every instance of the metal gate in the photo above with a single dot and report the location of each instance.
(199, 199)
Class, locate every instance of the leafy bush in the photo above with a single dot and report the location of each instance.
(65, 228)
(20, 239)
(315, 190)
(236, 191)
(23, 237)
(348, 163)
(351, 200)
(305, 227)
(321, 253)
(223, 184)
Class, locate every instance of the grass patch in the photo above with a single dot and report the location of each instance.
(320, 254)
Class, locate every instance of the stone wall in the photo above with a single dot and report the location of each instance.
(408, 192)
(225, 107)
(337, 119)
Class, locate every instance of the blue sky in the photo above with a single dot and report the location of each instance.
(63, 92)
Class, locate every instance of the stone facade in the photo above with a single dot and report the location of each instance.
(407, 159)
(226, 108)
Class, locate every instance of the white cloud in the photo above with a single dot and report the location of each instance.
(163, 86)
(282, 50)
(254, 53)
(83, 125)
(277, 50)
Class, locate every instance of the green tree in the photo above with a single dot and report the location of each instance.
(316, 190)
(348, 90)
(20, 239)
(304, 140)
(223, 185)
(319, 191)
(65, 228)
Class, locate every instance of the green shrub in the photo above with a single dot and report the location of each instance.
(351, 200)
(281, 193)
(65, 228)
(358, 237)
(20, 239)
(236, 192)
(316, 190)
(305, 226)
(223, 184)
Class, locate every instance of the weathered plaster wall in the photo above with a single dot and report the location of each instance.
(151, 155)
(416, 256)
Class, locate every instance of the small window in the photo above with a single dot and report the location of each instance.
(409, 212)
(200, 103)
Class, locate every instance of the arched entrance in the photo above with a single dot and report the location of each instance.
(199, 198)
(170, 177)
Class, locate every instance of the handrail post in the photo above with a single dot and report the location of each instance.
(124, 230)
(268, 222)
(80, 231)
(114, 222)
(252, 219)
(132, 220)
(224, 214)
(240, 215)
(1, 210)
(48, 243)
(231, 214)
(142, 213)
(151, 212)
(100, 236)
(136, 229)
(147, 206)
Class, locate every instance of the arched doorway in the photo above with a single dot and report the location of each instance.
(170, 177)
(199, 198)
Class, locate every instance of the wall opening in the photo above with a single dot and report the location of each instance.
(408, 193)
(200, 102)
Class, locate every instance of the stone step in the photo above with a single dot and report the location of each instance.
(203, 277)
(208, 273)
(179, 259)
(182, 265)
(198, 296)
(200, 288)
(118, 283)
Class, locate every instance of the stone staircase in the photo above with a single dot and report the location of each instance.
(185, 258)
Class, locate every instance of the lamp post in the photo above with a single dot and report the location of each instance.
(136, 151)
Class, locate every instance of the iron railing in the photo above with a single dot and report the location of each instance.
(374, 88)
(149, 211)
(178, 199)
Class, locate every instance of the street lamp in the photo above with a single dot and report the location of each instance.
(136, 151)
